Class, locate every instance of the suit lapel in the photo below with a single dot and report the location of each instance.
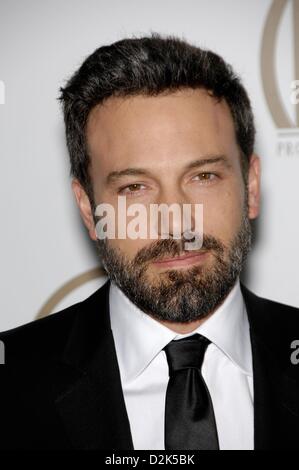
(91, 403)
(276, 384)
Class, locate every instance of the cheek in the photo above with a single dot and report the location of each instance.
(222, 216)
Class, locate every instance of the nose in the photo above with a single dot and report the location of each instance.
(176, 216)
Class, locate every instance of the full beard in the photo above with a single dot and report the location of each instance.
(185, 295)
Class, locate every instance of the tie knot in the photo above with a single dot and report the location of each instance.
(186, 353)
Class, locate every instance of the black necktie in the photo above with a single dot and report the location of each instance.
(189, 415)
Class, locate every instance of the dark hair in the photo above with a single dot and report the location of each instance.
(149, 66)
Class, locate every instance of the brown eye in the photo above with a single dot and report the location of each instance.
(205, 176)
(131, 188)
(134, 187)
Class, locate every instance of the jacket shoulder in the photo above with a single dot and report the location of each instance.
(269, 306)
(268, 317)
(46, 336)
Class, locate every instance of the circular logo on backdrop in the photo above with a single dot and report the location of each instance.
(286, 124)
(67, 288)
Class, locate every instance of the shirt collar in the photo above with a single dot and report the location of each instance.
(139, 338)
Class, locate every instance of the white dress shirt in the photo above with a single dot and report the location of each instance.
(227, 369)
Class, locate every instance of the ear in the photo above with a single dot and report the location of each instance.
(84, 207)
(254, 176)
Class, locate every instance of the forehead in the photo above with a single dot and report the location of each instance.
(163, 126)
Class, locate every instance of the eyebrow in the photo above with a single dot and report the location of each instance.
(113, 176)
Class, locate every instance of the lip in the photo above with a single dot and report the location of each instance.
(184, 260)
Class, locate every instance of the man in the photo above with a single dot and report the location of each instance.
(173, 352)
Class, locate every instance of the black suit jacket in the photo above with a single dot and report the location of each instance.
(60, 387)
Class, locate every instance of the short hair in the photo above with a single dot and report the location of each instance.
(149, 65)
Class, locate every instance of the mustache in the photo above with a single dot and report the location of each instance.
(168, 248)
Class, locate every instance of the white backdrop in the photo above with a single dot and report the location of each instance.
(43, 242)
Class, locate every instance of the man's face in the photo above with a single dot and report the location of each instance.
(172, 148)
